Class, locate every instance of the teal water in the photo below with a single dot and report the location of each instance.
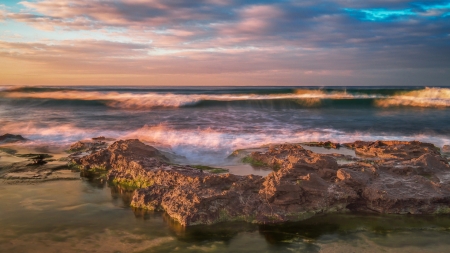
(82, 216)
(205, 124)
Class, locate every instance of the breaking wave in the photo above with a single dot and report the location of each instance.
(206, 146)
(427, 97)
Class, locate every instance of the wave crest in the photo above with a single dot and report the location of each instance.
(428, 97)
(155, 100)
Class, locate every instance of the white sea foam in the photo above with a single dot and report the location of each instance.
(204, 146)
(151, 100)
(428, 97)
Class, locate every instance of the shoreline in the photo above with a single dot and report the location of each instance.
(301, 185)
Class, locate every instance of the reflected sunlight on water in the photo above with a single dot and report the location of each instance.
(83, 216)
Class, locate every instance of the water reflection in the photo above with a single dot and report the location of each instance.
(78, 216)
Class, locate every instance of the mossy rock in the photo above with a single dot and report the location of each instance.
(74, 166)
(132, 184)
(254, 162)
(8, 150)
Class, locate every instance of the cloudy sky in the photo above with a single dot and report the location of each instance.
(225, 42)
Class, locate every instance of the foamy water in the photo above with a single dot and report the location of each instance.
(185, 123)
(204, 146)
(428, 97)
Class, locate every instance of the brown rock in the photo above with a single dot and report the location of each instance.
(87, 146)
(393, 177)
(129, 154)
(326, 144)
(446, 149)
(393, 149)
(10, 138)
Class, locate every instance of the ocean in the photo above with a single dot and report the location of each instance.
(204, 125)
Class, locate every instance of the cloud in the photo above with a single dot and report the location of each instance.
(292, 40)
(2, 13)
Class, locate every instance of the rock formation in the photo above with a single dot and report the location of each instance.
(10, 138)
(388, 177)
(87, 146)
(446, 149)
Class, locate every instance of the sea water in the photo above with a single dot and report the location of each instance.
(203, 125)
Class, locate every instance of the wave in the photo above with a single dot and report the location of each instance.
(205, 146)
(155, 100)
(428, 97)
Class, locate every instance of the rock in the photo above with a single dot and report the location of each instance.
(128, 155)
(393, 149)
(39, 160)
(10, 138)
(392, 177)
(446, 149)
(87, 146)
(326, 144)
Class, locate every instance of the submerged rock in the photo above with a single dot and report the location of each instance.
(10, 138)
(326, 144)
(392, 177)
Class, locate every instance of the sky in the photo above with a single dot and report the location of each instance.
(225, 42)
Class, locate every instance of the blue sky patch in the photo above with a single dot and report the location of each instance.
(380, 14)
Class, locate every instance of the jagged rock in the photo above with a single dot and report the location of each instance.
(10, 138)
(393, 149)
(129, 154)
(446, 149)
(87, 146)
(392, 177)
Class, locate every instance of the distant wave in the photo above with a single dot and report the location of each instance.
(428, 97)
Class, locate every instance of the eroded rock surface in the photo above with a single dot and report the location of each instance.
(129, 154)
(87, 146)
(326, 144)
(446, 149)
(391, 177)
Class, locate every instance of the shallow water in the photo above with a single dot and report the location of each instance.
(203, 126)
(83, 216)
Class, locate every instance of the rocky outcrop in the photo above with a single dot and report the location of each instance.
(10, 138)
(446, 149)
(129, 154)
(87, 146)
(326, 144)
(390, 177)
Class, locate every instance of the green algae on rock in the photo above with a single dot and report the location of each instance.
(393, 177)
(210, 169)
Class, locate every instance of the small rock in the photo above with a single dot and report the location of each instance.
(446, 149)
(326, 144)
(10, 138)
